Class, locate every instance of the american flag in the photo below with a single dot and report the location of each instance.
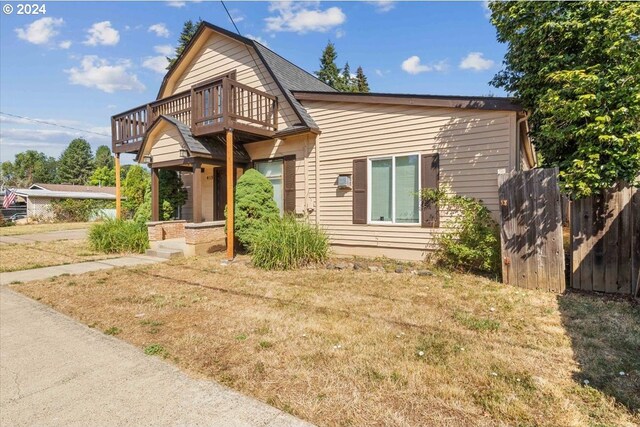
(9, 198)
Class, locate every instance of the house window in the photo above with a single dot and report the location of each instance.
(394, 190)
(272, 170)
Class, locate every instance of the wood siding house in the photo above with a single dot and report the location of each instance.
(351, 163)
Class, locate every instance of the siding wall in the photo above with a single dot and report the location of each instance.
(220, 55)
(473, 145)
(38, 207)
(303, 147)
(166, 145)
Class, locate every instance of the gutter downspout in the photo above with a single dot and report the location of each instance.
(317, 189)
(519, 142)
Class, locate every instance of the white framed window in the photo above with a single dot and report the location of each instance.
(394, 184)
(272, 170)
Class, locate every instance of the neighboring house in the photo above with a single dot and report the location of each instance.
(352, 163)
(38, 197)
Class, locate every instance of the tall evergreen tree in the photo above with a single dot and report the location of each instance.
(329, 72)
(76, 163)
(104, 157)
(361, 83)
(346, 83)
(189, 29)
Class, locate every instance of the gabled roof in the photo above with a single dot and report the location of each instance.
(287, 76)
(48, 194)
(210, 147)
(73, 188)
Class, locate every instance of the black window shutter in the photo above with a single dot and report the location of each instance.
(289, 178)
(430, 177)
(360, 191)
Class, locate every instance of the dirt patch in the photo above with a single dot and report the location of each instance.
(356, 347)
(17, 230)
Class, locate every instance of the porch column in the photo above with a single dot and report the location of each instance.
(155, 195)
(230, 208)
(118, 193)
(196, 187)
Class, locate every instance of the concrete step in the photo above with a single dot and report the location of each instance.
(165, 253)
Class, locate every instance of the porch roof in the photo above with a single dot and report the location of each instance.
(213, 146)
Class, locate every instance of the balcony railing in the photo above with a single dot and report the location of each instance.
(207, 108)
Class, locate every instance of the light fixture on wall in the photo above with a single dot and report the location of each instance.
(344, 181)
(147, 159)
(184, 153)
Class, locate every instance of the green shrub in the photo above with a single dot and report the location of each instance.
(254, 206)
(473, 242)
(76, 210)
(288, 243)
(118, 236)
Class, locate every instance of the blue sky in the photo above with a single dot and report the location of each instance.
(82, 62)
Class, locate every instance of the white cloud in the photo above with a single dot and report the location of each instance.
(475, 61)
(413, 65)
(258, 39)
(156, 63)
(40, 31)
(66, 44)
(485, 8)
(101, 33)
(98, 73)
(303, 17)
(236, 15)
(383, 5)
(159, 29)
(381, 73)
(340, 33)
(177, 3)
(164, 49)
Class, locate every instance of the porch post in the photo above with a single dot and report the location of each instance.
(196, 187)
(118, 193)
(230, 208)
(155, 195)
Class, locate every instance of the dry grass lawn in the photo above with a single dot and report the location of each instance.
(361, 348)
(17, 230)
(25, 256)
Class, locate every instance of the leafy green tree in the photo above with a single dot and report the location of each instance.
(575, 66)
(254, 206)
(189, 29)
(361, 83)
(171, 190)
(133, 189)
(103, 177)
(76, 163)
(27, 168)
(104, 157)
(329, 72)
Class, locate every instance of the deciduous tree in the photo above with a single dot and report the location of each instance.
(104, 157)
(575, 66)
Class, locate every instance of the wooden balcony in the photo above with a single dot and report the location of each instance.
(208, 108)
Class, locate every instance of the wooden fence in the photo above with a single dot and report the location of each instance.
(605, 241)
(531, 229)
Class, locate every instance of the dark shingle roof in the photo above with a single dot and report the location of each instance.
(292, 78)
(214, 147)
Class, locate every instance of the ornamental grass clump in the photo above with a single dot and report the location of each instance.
(118, 236)
(288, 243)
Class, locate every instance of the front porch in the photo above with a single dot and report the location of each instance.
(179, 237)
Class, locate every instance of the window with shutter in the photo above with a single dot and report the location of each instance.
(430, 178)
(359, 191)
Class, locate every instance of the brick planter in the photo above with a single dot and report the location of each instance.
(164, 230)
(204, 237)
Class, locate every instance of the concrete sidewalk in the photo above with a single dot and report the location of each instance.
(57, 372)
(79, 268)
(78, 234)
